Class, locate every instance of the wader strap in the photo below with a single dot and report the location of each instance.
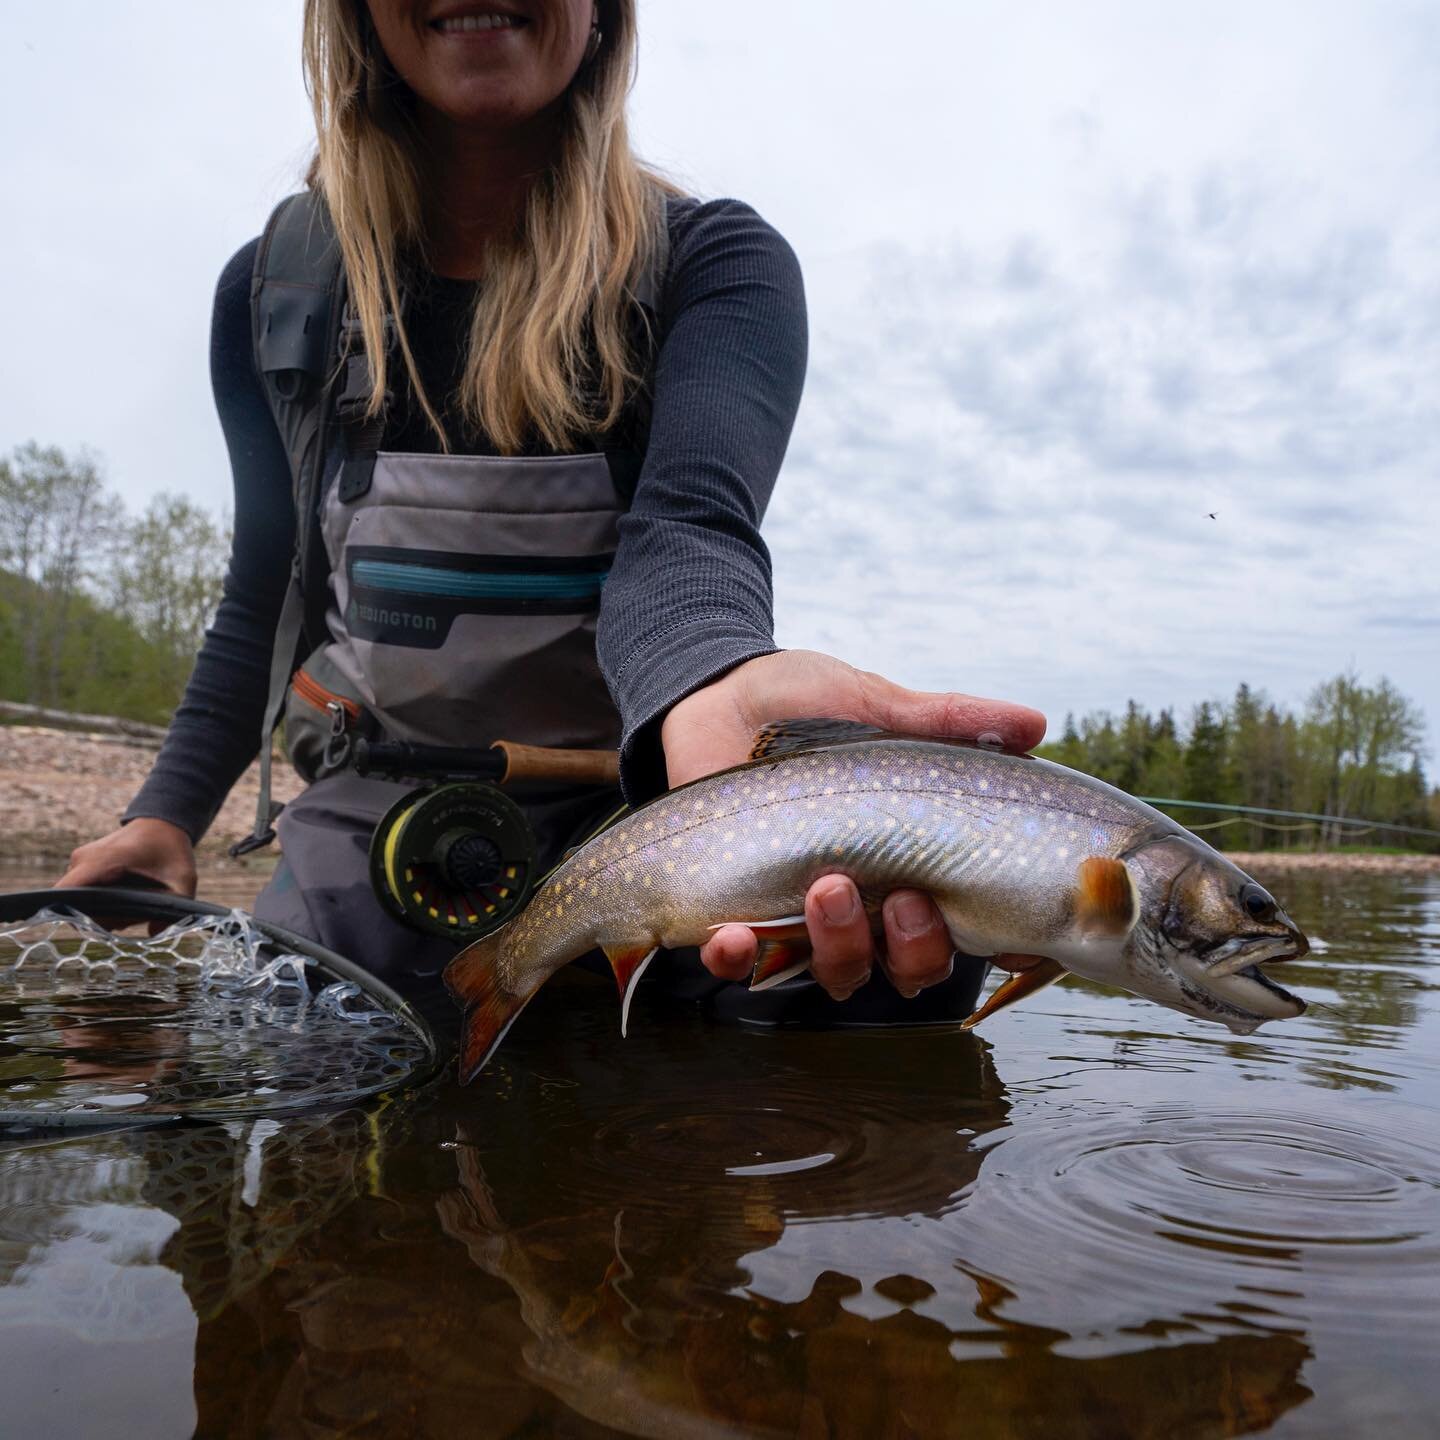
(282, 658)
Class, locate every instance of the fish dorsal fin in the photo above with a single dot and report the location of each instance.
(784, 737)
(1105, 898)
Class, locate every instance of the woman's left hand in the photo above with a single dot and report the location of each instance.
(715, 727)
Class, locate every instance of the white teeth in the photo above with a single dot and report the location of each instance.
(475, 22)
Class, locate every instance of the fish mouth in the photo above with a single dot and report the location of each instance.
(1233, 982)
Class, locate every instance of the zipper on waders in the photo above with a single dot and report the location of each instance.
(343, 711)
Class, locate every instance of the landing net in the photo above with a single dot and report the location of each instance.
(210, 1018)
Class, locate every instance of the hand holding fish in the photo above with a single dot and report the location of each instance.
(714, 729)
(1049, 871)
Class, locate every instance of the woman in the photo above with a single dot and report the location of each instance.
(474, 160)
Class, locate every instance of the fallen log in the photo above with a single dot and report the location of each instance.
(69, 720)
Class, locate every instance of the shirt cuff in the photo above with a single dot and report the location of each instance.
(681, 661)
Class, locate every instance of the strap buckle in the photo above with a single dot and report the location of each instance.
(256, 841)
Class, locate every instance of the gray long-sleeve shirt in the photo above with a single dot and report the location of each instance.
(688, 596)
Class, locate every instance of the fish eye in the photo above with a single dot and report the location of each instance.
(1256, 903)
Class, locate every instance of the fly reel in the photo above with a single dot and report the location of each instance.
(455, 860)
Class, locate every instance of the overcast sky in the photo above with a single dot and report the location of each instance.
(1079, 275)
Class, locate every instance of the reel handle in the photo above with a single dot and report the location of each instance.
(538, 762)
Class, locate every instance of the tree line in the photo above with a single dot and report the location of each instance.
(1355, 750)
(103, 611)
(100, 610)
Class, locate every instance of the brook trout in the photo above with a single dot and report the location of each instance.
(1023, 857)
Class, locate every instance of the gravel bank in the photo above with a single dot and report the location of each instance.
(59, 789)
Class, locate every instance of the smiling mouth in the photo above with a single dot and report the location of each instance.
(477, 23)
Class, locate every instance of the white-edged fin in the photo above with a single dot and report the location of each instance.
(770, 977)
(1017, 987)
(784, 949)
(788, 922)
(630, 985)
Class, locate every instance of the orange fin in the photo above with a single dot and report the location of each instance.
(779, 960)
(473, 978)
(628, 962)
(1105, 898)
(1016, 988)
(784, 949)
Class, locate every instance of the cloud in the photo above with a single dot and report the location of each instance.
(1005, 470)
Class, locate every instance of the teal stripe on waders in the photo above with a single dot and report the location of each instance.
(463, 585)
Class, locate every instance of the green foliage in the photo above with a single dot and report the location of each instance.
(99, 612)
(1356, 751)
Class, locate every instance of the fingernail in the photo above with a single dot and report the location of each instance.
(913, 914)
(837, 904)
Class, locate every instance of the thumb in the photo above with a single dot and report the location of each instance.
(802, 684)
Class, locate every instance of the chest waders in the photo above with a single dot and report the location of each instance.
(434, 602)
(438, 602)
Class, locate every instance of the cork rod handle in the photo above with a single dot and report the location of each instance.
(578, 767)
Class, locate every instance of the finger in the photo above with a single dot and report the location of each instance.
(797, 684)
(918, 950)
(840, 934)
(83, 872)
(730, 953)
(952, 714)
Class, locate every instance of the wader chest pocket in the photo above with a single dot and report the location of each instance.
(320, 721)
(412, 597)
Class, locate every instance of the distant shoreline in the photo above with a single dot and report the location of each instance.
(59, 789)
(1334, 860)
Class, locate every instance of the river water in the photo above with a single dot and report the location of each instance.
(1093, 1218)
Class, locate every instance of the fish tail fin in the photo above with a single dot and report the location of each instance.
(473, 978)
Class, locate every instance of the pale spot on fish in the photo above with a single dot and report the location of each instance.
(649, 824)
(729, 835)
(629, 876)
(728, 855)
(670, 867)
(691, 869)
(984, 784)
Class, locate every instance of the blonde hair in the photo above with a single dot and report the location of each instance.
(551, 351)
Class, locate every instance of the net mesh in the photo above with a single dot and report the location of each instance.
(207, 1018)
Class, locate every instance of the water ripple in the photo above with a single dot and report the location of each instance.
(1194, 1206)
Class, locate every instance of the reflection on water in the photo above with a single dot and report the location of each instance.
(1098, 1219)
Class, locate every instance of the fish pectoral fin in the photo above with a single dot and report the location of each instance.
(1017, 987)
(628, 962)
(1106, 902)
